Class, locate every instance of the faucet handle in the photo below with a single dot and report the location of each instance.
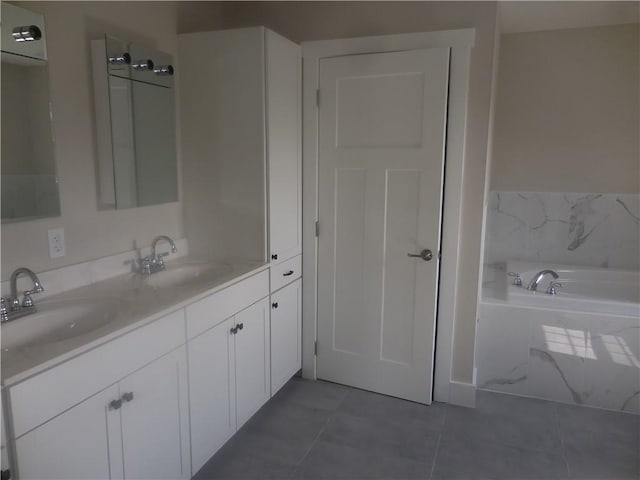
(27, 301)
(552, 288)
(4, 310)
(517, 281)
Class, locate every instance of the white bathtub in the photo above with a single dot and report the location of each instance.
(587, 289)
(581, 346)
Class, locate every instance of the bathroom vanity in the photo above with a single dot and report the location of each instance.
(118, 401)
(146, 377)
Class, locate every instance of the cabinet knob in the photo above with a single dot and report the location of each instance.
(234, 330)
(115, 404)
(127, 397)
(274, 305)
(240, 326)
(287, 274)
(274, 256)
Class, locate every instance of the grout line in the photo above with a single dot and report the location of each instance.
(562, 446)
(435, 455)
(317, 437)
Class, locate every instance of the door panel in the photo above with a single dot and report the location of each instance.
(253, 376)
(286, 334)
(283, 77)
(154, 449)
(75, 444)
(212, 391)
(381, 137)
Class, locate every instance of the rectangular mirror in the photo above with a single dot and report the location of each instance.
(135, 121)
(29, 181)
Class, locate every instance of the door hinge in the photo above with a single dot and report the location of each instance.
(315, 348)
(317, 229)
(317, 97)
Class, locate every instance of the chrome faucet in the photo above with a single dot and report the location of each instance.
(155, 262)
(537, 278)
(13, 308)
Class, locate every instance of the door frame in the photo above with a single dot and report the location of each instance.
(460, 42)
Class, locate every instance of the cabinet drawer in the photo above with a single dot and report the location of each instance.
(212, 310)
(44, 396)
(286, 272)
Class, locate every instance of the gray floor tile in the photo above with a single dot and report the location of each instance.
(328, 460)
(462, 457)
(601, 456)
(525, 430)
(383, 436)
(373, 405)
(514, 406)
(297, 424)
(251, 456)
(313, 394)
(574, 420)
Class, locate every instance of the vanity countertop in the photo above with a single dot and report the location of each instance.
(117, 306)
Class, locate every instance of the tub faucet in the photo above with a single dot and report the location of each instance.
(15, 308)
(154, 262)
(537, 278)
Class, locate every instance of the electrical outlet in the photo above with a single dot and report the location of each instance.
(56, 243)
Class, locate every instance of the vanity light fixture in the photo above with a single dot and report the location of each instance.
(163, 70)
(125, 58)
(26, 33)
(142, 65)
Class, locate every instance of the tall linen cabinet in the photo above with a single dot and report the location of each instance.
(240, 126)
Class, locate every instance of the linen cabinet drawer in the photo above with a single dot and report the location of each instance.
(286, 272)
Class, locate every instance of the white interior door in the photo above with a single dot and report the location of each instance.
(381, 138)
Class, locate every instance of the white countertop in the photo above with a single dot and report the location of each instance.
(132, 301)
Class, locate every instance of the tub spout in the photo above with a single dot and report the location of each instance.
(537, 278)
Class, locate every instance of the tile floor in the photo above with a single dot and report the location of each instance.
(313, 430)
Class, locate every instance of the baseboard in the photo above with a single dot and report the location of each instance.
(462, 394)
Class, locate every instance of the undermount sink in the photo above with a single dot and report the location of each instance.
(58, 321)
(182, 273)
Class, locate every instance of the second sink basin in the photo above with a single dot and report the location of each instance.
(185, 273)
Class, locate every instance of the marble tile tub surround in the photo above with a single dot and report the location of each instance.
(589, 359)
(70, 277)
(589, 229)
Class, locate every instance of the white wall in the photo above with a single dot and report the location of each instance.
(89, 233)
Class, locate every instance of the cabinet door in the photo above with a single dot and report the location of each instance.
(155, 420)
(283, 60)
(253, 378)
(212, 391)
(74, 445)
(286, 331)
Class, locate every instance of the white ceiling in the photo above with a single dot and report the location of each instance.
(522, 16)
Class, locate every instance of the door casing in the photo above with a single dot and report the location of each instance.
(460, 41)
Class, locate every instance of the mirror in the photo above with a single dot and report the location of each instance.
(29, 181)
(135, 121)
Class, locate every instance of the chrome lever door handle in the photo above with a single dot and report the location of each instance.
(425, 255)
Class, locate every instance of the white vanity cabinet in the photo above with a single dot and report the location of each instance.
(284, 157)
(229, 364)
(286, 334)
(241, 143)
(135, 428)
(74, 445)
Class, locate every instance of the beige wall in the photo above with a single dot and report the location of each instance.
(567, 117)
(89, 233)
(92, 234)
(302, 21)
